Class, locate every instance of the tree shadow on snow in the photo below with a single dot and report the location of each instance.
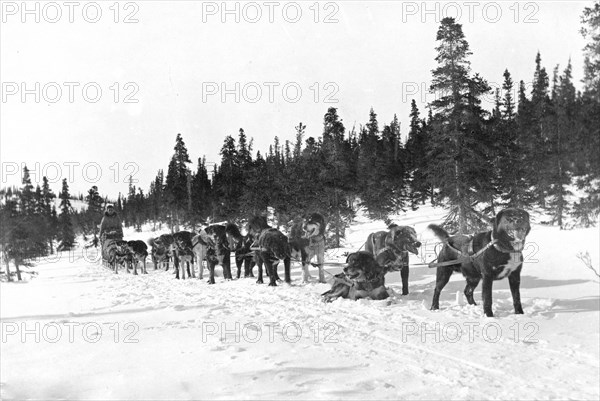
(536, 282)
(584, 304)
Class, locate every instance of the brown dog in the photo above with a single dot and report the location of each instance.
(363, 277)
(487, 256)
(391, 249)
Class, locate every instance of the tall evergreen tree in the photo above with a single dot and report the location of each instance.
(416, 150)
(65, 225)
(461, 169)
(560, 136)
(176, 188)
(511, 161)
(335, 175)
(27, 196)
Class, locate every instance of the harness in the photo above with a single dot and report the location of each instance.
(467, 254)
(402, 258)
(370, 284)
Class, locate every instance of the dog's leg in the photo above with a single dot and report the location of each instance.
(227, 266)
(134, 263)
(442, 277)
(286, 266)
(249, 266)
(238, 263)
(272, 269)
(246, 267)
(176, 266)
(211, 272)
(472, 283)
(514, 280)
(189, 263)
(404, 275)
(486, 292)
(144, 265)
(321, 261)
(259, 263)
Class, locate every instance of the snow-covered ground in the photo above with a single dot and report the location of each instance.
(78, 331)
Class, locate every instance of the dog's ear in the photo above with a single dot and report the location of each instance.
(497, 220)
(349, 256)
(393, 232)
(526, 218)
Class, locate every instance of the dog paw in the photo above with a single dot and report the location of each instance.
(272, 284)
(259, 281)
(404, 292)
(488, 313)
(434, 307)
(519, 310)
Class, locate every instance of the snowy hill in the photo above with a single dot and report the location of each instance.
(152, 337)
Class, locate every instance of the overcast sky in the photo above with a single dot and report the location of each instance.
(174, 59)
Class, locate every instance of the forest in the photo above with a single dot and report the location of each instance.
(537, 149)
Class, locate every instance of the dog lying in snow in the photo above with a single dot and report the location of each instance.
(363, 277)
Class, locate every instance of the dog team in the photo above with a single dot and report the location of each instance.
(485, 257)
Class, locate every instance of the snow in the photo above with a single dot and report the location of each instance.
(154, 337)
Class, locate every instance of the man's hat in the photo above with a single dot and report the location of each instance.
(108, 205)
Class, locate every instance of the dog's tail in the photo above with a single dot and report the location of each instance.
(439, 232)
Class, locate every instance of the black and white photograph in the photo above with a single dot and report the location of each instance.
(299, 200)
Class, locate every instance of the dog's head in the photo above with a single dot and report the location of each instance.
(256, 225)
(182, 240)
(313, 225)
(511, 226)
(214, 236)
(121, 247)
(361, 266)
(404, 238)
(234, 236)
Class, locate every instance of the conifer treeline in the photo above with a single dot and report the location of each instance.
(532, 151)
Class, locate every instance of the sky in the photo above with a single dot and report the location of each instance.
(97, 91)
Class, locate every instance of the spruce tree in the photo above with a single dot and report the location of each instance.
(560, 138)
(27, 196)
(416, 151)
(65, 225)
(334, 176)
(459, 155)
(176, 187)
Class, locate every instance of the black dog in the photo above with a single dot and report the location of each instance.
(139, 250)
(391, 248)
(220, 240)
(271, 247)
(494, 255)
(244, 256)
(363, 277)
